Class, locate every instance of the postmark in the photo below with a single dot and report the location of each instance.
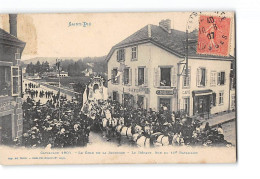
(214, 35)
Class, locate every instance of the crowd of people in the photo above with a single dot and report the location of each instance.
(51, 126)
(33, 91)
(64, 123)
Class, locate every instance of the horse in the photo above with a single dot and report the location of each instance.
(128, 132)
(178, 140)
(109, 126)
(160, 139)
(123, 130)
(141, 140)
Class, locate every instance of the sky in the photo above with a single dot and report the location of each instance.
(49, 35)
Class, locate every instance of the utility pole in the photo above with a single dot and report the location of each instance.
(187, 53)
(58, 61)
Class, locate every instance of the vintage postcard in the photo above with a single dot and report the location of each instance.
(98, 88)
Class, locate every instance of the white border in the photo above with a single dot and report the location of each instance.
(247, 26)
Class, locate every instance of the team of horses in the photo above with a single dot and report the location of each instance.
(145, 136)
(115, 127)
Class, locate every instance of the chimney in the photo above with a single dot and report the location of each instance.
(13, 24)
(149, 31)
(166, 25)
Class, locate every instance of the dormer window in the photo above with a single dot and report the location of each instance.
(17, 56)
(121, 55)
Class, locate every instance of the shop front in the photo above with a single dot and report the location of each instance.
(165, 99)
(202, 100)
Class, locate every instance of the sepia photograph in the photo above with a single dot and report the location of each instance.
(137, 87)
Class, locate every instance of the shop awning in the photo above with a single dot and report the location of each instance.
(202, 92)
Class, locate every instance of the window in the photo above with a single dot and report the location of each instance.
(5, 81)
(213, 77)
(221, 97)
(221, 78)
(134, 53)
(15, 81)
(140, 76)
(121, 55)
(201, 77)
(17, 56)
(126, 76)
(186, 105)
(114, 77)
(186, 79)
(165, 77)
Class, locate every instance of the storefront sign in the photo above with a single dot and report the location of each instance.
(164, 92)
(186, 92)
(139, 90)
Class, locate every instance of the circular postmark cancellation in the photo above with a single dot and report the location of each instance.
(214, 35)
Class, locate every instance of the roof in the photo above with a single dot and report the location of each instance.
(8, 39)
(172, 42)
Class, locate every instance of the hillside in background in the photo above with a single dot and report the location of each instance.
(52, 60)
(74, 66)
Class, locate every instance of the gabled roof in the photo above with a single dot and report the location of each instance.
(8, 39)
(172, 42)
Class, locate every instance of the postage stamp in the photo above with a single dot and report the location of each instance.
(214, 35)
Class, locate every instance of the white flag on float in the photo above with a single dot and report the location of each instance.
(84, 99)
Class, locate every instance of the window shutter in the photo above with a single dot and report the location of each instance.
(112, 77)
(206, 77)
(224, 77)
(123, 77)
(136, 77)
(198, 77)
(145, 76)
(156, 77)
(173, 77)
(219, 78)
(118, 78)
(130, 76)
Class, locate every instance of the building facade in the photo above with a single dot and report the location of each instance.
(11, 116)
(148, 70)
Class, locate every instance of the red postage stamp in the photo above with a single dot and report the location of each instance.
(214, 35)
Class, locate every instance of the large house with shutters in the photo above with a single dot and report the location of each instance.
(151, 64)
(11, 114)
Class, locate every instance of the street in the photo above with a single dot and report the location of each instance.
(41, 88)
(230, 131)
